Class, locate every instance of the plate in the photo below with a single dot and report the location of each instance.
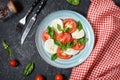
(76, 59)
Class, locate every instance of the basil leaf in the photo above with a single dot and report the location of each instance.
(66, 29)
(51, 32)
(6, 47)
(29, 68)
(58, 43)
(59, 27)
(74, 2)
(64, 47)
(82, 40)
(54, 57)
(79, 25)
(70, 44)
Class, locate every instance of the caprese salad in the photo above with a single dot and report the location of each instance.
(64, 38)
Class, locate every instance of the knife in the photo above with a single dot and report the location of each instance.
(32, 21)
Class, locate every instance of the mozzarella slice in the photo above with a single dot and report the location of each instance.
(54, 24)
(50, 46)
(71, 51)
(78, 34)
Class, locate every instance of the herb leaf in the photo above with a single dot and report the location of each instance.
(58, 43)
(70, 44)
(64, 29)
(74, 2)
(82, 40)
(51, 32)
(6, 47)
(79, 25)
(54, 57)
(59, 27)
(29, 68)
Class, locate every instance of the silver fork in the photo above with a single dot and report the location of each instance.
(22, 21)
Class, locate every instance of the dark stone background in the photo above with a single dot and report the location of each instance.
(28, 51)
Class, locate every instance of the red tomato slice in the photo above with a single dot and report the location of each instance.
(45, 35)
(62, 55)
(63, 37)
(78, 46)
(70, 23)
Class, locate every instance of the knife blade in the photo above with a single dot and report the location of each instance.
(31, 22)
(29, 26)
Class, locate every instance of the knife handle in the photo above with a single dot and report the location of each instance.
(42, 3)
(33, 5)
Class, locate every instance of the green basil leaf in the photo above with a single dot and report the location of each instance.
(29, 68)
(51, 32)
(54, 57)
(82, 40)
(7, 47)
(9, 51)
(58, 43)
(64, 47)
(70, 44)
(66, 29)
(79, 25)
(74, 2)
(59, 27)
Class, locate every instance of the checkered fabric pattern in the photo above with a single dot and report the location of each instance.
(104, 61)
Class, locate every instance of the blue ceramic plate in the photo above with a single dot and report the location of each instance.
(76, 59)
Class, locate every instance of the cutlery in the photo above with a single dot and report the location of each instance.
(22, 21)
(32, 21)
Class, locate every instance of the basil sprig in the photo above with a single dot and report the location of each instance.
(82, 40)
(64, 46)
(51, 32)
(29, 68)
(7, 47)
(79, 25)
(74, 2)
(54, 57)
(64, 29)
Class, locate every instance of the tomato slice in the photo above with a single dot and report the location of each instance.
(45, 35)
(70, 23)
(63, 37)
(78, 46)
(62, 55)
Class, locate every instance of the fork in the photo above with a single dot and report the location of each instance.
(22, 21)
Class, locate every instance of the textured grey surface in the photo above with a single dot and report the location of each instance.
(28, 51)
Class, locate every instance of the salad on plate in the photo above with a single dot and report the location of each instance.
(64, 38)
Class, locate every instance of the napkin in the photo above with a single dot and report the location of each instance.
(104, 60)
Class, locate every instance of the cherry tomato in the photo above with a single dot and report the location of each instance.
(70, 23)
(62, 55)
(13, 63)
(58, 77)
(78, 46)
(45, 35)
(39, 77)
(63, 37)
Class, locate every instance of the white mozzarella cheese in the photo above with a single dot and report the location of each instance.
(71, 51)
(54, 24)
(50, 46)
(78, 34)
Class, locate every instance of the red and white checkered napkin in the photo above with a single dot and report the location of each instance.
(104, 61)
